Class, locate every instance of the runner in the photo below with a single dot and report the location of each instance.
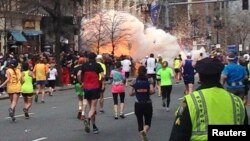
(188, 74)
(88, 76)
(99, 60)
(82, 103)
(142, 89)
(166, 74)
(52, 78)
(27, 88)
(40, 71)
(158, 79)
(126, 66)
(118, 88)
(13, 81)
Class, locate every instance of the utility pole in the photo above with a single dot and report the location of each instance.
(166, 4)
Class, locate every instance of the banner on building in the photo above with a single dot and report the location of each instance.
(154, 12)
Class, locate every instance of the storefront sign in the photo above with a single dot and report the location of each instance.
(29, 24)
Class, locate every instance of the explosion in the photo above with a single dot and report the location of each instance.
(130, 37)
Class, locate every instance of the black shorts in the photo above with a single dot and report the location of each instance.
(52, 83)
(92, 94)
(27, 95)
(176, 70)
(126, 74)
(188, 79)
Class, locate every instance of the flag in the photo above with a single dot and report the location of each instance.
(154, 11)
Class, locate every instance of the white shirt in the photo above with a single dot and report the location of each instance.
(151, 65)
(126, 65)
(52, 74)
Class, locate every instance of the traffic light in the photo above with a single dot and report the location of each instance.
(245, 4)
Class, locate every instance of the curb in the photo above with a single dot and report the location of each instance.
(58, 89)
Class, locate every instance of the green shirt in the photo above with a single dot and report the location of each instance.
(166, 75)
(27, 86)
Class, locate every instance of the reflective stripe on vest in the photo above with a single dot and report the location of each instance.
(205, 110)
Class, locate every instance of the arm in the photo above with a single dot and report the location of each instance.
(22, 77)
(151, 89)
(132, 92)
(7, 79)
(182, 128)
(79, 76)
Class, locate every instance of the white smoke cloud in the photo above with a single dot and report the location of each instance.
(143, 41)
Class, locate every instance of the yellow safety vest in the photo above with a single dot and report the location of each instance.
(213, 106)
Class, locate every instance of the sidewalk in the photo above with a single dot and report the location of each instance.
(46, 90)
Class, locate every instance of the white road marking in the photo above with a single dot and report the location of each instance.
(53, 107)
(40, 139)
(108, 97)
(20, 115)
(131, 113)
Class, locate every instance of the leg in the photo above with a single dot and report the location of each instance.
(42, 89)
(101, 101)
(37, 90)
(159, 87)
(122, 97)
(80, 106)
(115, 98)
(169, 89)
(84, 105)
(190, 88)
(14, 100)
(139, 116)
(164, 95)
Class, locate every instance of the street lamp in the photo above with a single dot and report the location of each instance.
(217, 25)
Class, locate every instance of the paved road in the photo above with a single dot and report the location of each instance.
(56, 120)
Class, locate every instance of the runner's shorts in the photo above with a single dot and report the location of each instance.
(78, 90)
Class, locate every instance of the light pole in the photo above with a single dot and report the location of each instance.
(217, 26)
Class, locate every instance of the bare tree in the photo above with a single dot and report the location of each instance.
(239, 27)
(95, 35)
(117, 30)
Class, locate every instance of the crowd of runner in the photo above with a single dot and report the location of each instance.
(26, 74)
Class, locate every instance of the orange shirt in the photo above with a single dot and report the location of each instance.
(40, 70)
(14, 84)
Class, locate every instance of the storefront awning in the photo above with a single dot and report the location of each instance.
(32, 32)
(18, 36)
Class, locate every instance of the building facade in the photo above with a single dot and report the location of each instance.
(20, 30)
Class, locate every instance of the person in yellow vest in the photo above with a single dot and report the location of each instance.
(210, 104)
(13, 81)
(99, 60)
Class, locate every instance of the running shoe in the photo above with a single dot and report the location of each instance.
(95, 130)
(163, 104)
(116, 116)
(26, 113)
(144, 136)
(86, 125)
(36, 98)
(79, 115)
(101, 111)
(167, 109)
(11, 114)
(43, 101)
(122, 115)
